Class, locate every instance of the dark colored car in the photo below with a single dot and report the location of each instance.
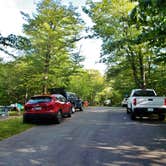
(77, 103)
(72, 98)
(47, 107)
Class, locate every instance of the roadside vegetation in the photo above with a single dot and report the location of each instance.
(134, 47)
(134, 43)
(12, 126)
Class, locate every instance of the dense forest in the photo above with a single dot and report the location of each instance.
(134, 49)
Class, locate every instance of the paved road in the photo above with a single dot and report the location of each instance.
(95, 137)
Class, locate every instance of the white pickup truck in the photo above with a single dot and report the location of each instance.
(144, 102)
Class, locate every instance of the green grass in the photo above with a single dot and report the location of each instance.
(14, 113)
(12, 126)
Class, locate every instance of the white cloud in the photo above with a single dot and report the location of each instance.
(7, 4)
(10, 17)
(90, 48)
(10, 23)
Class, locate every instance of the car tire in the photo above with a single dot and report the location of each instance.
(24, 120)
(133, 116)
(127, 110)
(59, 117)
(70, 112)
(73, 110)
(81, 109)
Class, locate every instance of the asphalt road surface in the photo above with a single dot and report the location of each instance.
(99, 136)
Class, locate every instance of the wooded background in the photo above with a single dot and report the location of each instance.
(134, 50)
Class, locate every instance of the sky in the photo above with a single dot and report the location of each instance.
(11, 22)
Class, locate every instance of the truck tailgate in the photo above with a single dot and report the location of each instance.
(150, 102)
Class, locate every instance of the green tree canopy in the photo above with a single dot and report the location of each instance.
(15, 42)
(53, 30)
(133, 35)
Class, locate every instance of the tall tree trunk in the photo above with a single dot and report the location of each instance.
(142, 70)
(46, 72)
(46, 68)
(149, 71)
(131, 59)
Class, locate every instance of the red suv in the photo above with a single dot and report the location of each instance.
(47, 107)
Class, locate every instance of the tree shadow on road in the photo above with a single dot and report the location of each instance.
(122, 142)
(101, 137)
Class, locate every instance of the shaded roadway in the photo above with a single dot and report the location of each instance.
(99, 136)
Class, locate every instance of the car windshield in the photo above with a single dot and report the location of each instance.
(71, 95)
(42, 99)
(144, 93)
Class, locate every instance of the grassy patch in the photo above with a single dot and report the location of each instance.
(14, 113)
(12, 126)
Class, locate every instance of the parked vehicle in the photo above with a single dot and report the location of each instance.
(72, 97)
(144, 102)
(77, 103)
(107, 102)
(4, 110)
(47, 107)
(124, 102)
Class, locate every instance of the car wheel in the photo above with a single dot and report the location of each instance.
(69, 114)
(59, 117)
(24, 120)
(127, 110)
(73, 110)
(133, 116)
(81, 109)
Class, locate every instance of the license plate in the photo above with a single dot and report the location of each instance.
(37, 108)
(150, 109)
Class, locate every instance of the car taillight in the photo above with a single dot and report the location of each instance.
(134, 101)
(27, 108)
(165, 101)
